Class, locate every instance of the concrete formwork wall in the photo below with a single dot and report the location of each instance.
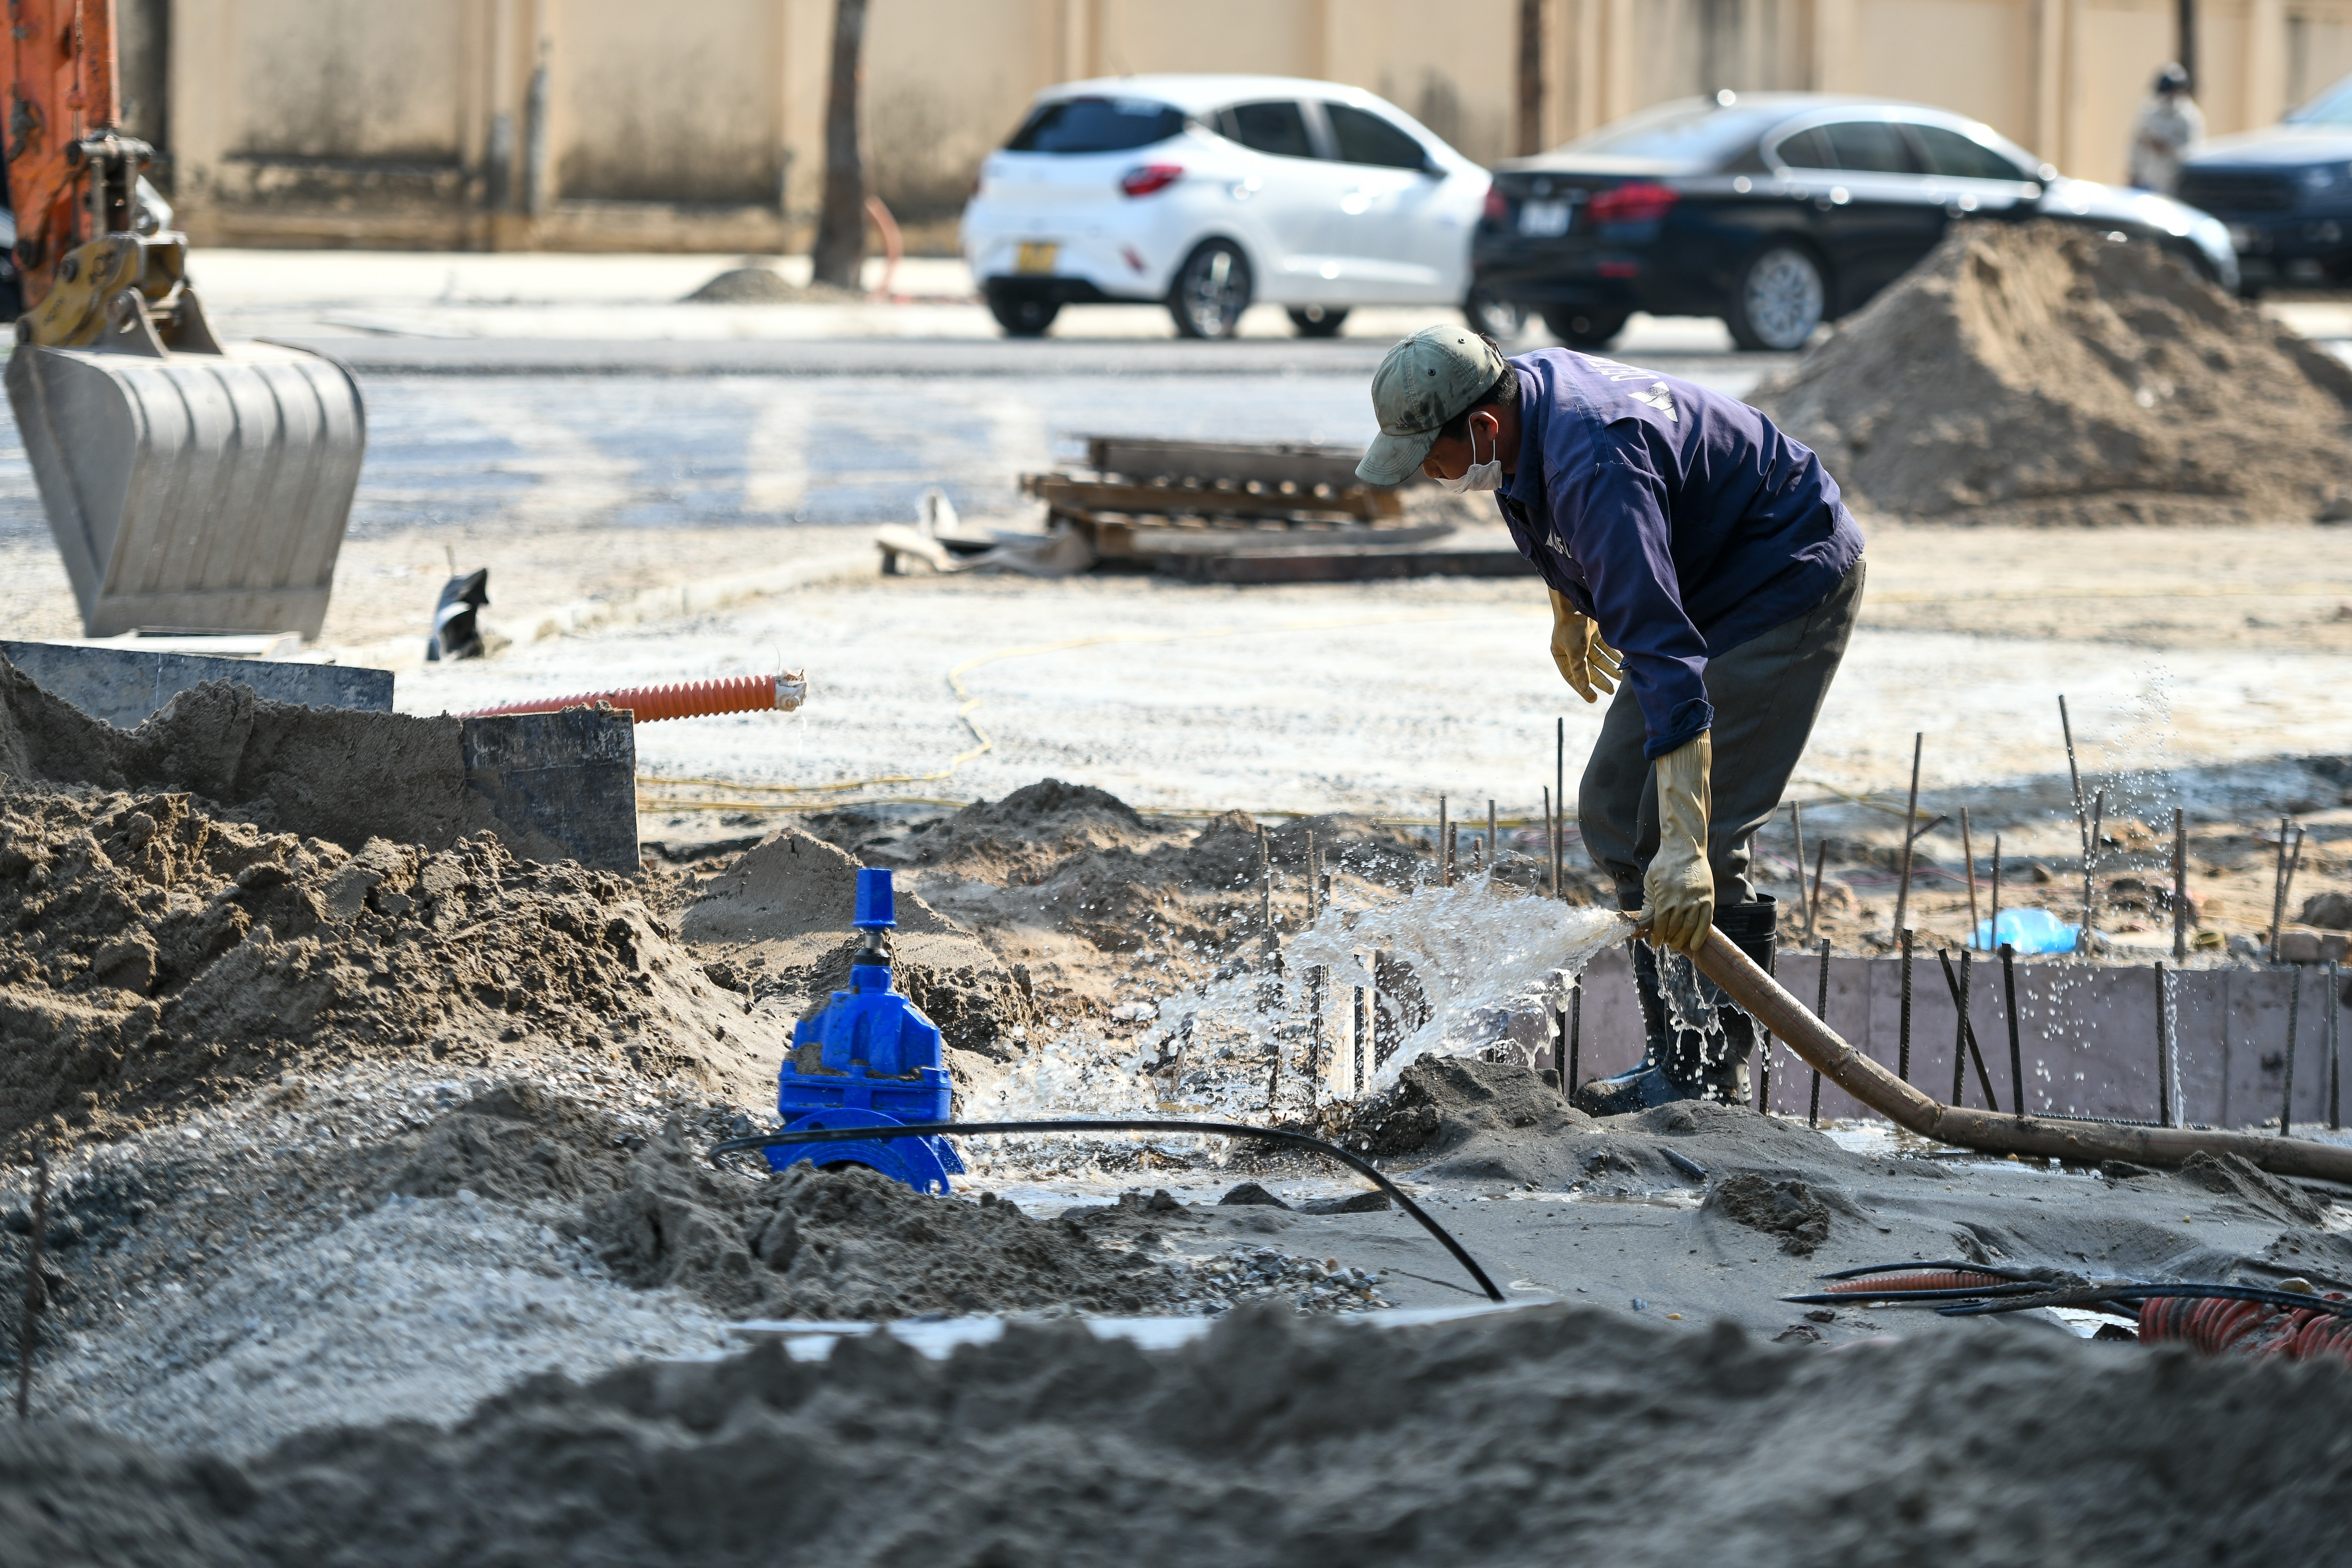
(701, 127)
(2087, 1034)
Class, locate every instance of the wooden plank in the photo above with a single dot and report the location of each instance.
(1136, 457)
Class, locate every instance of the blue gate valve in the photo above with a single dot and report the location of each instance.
(877, 1064)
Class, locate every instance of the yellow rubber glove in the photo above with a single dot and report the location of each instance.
(1585, 661)
(1678, 889)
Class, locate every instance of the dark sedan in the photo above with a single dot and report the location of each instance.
(2284, 191)
(1774, 211)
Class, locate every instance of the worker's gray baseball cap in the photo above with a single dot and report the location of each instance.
(1424, 382)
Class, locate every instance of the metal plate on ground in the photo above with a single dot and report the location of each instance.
(563, 785)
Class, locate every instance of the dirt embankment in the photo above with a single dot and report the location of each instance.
(2044, 374)
(1272, 1441)
(153, 957)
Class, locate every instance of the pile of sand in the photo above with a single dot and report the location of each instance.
(2044, 374)
(850, 1243)
(153, 957)
(1274, 1440)
(776, 924)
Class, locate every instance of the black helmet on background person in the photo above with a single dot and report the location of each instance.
(2172, 78)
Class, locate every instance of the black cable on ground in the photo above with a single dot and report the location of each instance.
(2136, 1290)
(1123, 1125)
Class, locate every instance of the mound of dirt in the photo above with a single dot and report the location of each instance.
(153, 957)
(777, 921)
(2044, 374)
(1787, 1209)
(1018, 839)
(2235, 1177)
(1271, 1441)
(1441, 1104)
(516, 1145)
(789, 887)
(851, 1244)
(766, 286)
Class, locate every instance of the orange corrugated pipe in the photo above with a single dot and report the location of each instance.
(691, 699)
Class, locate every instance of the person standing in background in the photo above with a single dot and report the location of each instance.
(2169, 124)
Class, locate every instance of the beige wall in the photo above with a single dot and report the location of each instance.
(699, 125)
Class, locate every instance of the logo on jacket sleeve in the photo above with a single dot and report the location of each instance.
(1659, 398)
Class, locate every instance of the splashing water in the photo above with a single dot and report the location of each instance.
(1268, 1038)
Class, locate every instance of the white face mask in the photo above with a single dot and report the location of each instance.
(1485, 476)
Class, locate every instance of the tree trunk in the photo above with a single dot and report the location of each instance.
(1528, 131)
(841, 220)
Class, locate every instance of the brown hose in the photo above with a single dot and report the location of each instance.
(2084, 1142)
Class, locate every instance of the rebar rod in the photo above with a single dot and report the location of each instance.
(1969, 853)
(1992, 914)
(2090, 869)
(1444, 846)
(2335, 1047)
(2286, 894)
(1494, 845)
(1575, 1033)
(1910, 831)
(2278, 887)
(2180, 886)
(2074, 775)
(2016, 1053)
(2294, 1007)
(1967, 1031)
(1960, 1031)
(2163, 1050)
(1821, 1010)
(1813, 902)
(1903, 1033)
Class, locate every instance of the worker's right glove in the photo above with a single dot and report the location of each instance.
(1678, 889)
(1584, 660)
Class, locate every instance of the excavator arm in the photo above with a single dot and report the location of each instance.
(190, 484)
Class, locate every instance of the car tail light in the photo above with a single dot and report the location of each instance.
(1498, 209)
(1146, 178)
(1641, 201)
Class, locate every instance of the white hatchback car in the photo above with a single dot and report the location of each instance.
(1210, 192)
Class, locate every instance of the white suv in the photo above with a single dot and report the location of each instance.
(1208, 193)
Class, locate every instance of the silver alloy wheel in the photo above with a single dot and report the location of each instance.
(1213, 292)
(1783, 298)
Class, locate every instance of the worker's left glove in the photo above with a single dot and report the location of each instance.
(1585, 661)
(1678, 889)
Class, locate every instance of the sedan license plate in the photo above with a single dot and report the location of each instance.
(1544, 220)
(1037, 255)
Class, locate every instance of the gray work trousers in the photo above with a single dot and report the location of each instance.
(1765, 693)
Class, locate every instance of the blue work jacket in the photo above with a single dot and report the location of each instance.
(1682, 521)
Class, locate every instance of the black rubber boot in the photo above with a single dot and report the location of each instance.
(1722, 1069)
(1706, 1063)
(1649, 1084)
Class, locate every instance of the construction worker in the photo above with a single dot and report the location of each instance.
(2169, 124)
(1702, 568)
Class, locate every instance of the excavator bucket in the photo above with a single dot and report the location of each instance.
(201, 491)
